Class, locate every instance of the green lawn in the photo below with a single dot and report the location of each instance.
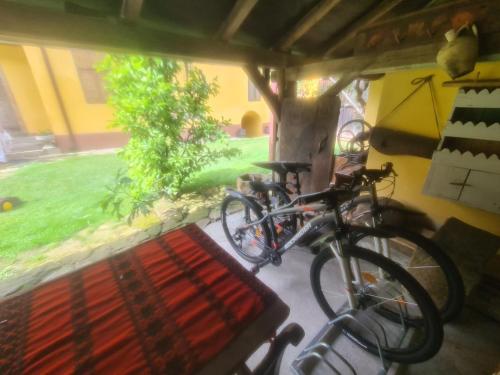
(224, 172)
(62, 197)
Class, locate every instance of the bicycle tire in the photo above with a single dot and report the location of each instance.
(431, 322)
(266, 235)
(455, 300)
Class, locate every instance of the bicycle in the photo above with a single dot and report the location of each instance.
(370, 283)
(420, 256)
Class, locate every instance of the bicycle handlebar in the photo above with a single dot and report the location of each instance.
(374, 175)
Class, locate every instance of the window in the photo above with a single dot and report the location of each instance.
(253, 93)
(91, 81)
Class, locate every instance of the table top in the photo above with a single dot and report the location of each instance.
(178, 304)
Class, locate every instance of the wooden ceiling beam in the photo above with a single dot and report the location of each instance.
(428, 25)
(416, 57)
(344, 80)
(422, 56)
(235, 19)
(262, 85)
(315, 15)
(36, 25)
(131, 10)
(348, 34)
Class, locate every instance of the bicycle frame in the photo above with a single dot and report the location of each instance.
(350, 268)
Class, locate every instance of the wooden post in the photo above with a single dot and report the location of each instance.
(286, 89)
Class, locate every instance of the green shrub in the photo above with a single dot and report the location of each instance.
(172, 131)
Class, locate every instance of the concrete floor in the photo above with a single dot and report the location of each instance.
(471, 345)
(291, 283)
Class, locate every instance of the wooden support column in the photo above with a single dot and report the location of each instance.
(262, 85)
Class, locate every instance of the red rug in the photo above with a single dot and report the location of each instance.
(165, 307)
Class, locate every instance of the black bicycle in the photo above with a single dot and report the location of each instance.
(420, 256)
(356, 279)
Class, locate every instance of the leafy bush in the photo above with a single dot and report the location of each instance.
(172, 131)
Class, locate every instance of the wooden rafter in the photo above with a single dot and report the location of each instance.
(407, 58)
(263, 86)
(428, 25)
(344, 81)
(350, 32)
(131, 9)
(26, 24)
(239, 13)
(315, 15)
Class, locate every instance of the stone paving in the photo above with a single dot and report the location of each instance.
(91, 245)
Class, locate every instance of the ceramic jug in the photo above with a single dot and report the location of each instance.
(458, 57)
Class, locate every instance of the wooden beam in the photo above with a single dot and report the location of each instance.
(315, 15)
(36, 25)
(422, 56)
(263, 86)
(344, 81)
(131, 10)
(427, 25)
(350, 32)
(472, 83)
(239, 13)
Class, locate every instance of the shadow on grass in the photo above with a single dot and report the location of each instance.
(215, 178)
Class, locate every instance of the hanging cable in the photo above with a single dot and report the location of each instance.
(419, 82)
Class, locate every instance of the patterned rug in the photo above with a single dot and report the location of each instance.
(167, 306)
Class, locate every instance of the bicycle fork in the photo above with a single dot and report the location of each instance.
(348, 267)
(381, 246)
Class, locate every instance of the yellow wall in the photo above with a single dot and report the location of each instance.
(232, 101)
(24, 90)
(416, 116)
(84, 117)
(26, 71)
(46, 89)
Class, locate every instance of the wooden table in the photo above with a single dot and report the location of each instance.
(178, 304)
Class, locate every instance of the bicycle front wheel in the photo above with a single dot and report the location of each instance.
(383, 292)
(423, 259)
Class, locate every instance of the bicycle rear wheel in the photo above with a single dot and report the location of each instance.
(251, 242)
(423, 259)
(396, 294)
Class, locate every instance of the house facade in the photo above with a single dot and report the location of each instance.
(57, 91)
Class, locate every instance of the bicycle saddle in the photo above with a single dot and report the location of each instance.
(284, 166)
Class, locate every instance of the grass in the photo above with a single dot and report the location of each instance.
(224, 172)
(62, 197)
